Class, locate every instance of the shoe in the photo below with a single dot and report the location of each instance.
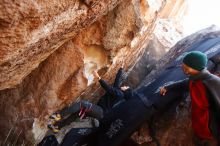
(56, 117)
(55, 129)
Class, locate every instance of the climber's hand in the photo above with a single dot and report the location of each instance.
(163, 91)
(96, 75)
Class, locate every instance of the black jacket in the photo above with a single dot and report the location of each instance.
(212, 84)
(111, 90)
(116, 95)
(111, 98)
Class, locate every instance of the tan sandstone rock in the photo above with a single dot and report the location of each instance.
(49, 49)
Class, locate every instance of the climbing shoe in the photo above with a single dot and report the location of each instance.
(53, 128)
(55, 116)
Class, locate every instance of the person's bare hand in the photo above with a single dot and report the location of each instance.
(163, 91)
(123, 88)
(96, 75)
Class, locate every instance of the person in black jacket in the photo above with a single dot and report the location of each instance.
(205, 98)
(113, 97)
(115, 94)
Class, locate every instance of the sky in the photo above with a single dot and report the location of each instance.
(201, 14)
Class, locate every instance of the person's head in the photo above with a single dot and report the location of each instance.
(194, 62)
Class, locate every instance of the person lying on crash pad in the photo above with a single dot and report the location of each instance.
(205, 98)
(113, 97)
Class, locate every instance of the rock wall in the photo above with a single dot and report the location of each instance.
(32, 30)
(167, 31)
(50, 49)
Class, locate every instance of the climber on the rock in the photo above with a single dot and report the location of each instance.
(117, 94)
(114, 94)
(205, 97)
(113, 97)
